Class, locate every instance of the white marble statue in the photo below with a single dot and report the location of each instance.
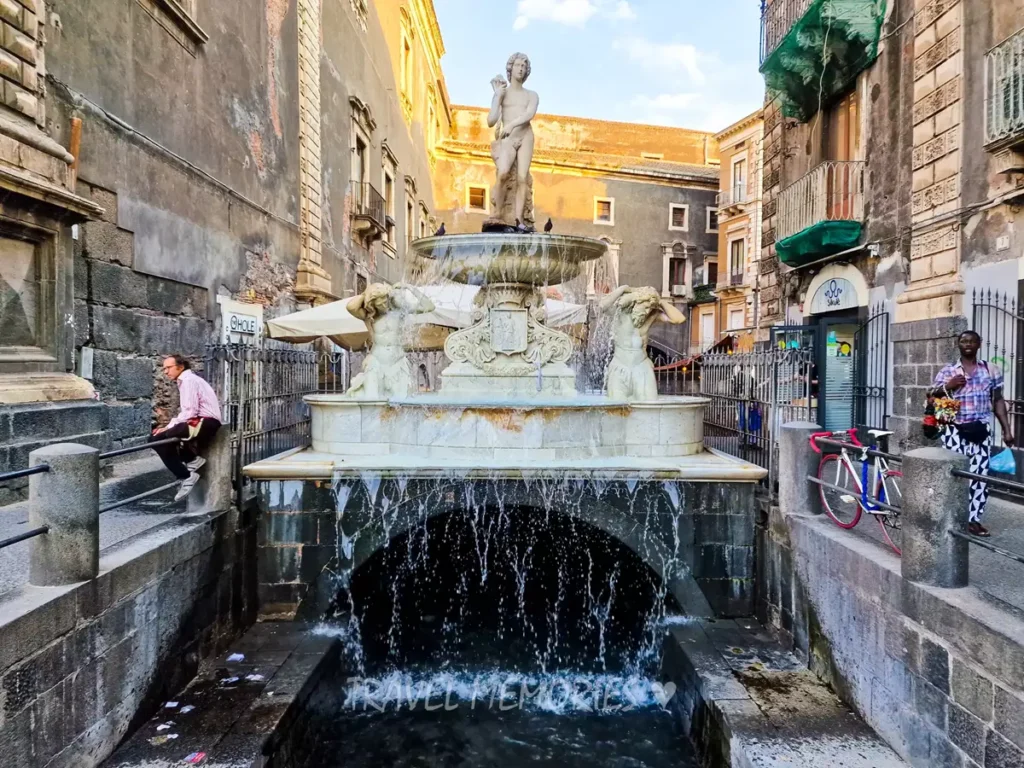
(630, 374)
(512, 109)
(386, 371)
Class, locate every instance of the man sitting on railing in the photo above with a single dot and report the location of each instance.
(196, 424)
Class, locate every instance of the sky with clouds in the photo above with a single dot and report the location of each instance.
(685, 63)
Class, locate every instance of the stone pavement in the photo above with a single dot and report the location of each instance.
(129, 479)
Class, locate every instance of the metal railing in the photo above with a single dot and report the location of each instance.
(728, 198)
(833, 191)
(777, 18)
(1010, 488)
(997, 317)
(1004, 91)
(39, 469)
(736, 278)
(370, 204)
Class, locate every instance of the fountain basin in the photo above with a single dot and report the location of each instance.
(439, 427)
(528, 259)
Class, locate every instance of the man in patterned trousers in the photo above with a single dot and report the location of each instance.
(978, 385)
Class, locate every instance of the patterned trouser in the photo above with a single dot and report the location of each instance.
(979, 456)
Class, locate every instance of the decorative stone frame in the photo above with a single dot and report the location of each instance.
(48, 352)
(672, 209)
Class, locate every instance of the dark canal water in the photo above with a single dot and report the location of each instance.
(505, 638)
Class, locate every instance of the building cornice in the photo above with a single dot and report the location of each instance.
(675, 178)
(741, 124)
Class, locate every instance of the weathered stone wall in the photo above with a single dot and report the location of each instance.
(129, 321)
(937, 673)
(82, 666)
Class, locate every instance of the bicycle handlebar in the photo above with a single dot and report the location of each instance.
(850, 434)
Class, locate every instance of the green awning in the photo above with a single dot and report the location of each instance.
(822, 53)
(816, 242)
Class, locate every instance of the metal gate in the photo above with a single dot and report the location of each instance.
(752, 394)
(998, 320)
(871, 370)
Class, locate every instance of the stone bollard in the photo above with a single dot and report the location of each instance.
(213, 492)
(67, 499)
(934, 502)
(797, 460)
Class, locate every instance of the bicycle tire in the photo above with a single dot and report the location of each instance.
(837, 504)
(891, 524)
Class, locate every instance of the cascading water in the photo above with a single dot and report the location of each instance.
(493, 619)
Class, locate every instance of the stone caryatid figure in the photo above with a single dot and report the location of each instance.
(512, 109)
(630, 374)
(386, 372)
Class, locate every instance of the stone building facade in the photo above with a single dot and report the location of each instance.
(734, 311)
(910, 155)
(215, 161)
(649, 191)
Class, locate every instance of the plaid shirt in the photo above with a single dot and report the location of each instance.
(976, 395)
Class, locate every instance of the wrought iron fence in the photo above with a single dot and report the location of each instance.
(262, 391)
(752, 394)
(371, 204)
(997, 318)
(1004, 90)
(833, 191)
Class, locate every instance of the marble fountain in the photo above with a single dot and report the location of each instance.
(508, 428)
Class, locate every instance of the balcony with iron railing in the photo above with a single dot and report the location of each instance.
(821, 214)
(1004, 93)
(369, 217)
(732, 200)
(813, 50)
(736, 278)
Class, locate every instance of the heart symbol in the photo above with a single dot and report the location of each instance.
(663, 693)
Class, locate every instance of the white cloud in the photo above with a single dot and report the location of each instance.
(666, 58)
(572, 13)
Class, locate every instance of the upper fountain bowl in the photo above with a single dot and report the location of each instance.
(487, 258)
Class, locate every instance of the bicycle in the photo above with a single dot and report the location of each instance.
(844, 493)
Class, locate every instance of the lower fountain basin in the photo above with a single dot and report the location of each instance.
(526, 430)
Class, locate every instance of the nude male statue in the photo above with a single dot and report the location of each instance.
(514, 106)
(383, 308)
(630, 374)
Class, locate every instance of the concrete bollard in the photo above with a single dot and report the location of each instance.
(934, 502)
(797, 460)
(213, 492)
(67, 499)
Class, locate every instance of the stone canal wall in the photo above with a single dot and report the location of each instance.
(938, 673)
(80, 666)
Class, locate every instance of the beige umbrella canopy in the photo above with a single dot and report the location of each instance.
(331, 320)
(453, 307)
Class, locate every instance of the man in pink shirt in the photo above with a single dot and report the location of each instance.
(197, 422)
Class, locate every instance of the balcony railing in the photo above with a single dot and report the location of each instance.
(1004, 91)
(731, 198)
(834, 191)
(777, 19)
(370, 208)
(736, 278)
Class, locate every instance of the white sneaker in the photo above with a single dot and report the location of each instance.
(186, 486)
(195, 464)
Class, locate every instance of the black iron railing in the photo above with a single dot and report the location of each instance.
(371, 205)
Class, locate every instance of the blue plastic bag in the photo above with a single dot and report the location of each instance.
(1003, 463)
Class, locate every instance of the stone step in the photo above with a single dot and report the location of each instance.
(749, 703)
(236, 713)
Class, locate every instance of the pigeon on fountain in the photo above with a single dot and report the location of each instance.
(549, 226)
(440, 231)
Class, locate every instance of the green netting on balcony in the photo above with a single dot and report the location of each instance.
(822, 53)
(816, 242)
